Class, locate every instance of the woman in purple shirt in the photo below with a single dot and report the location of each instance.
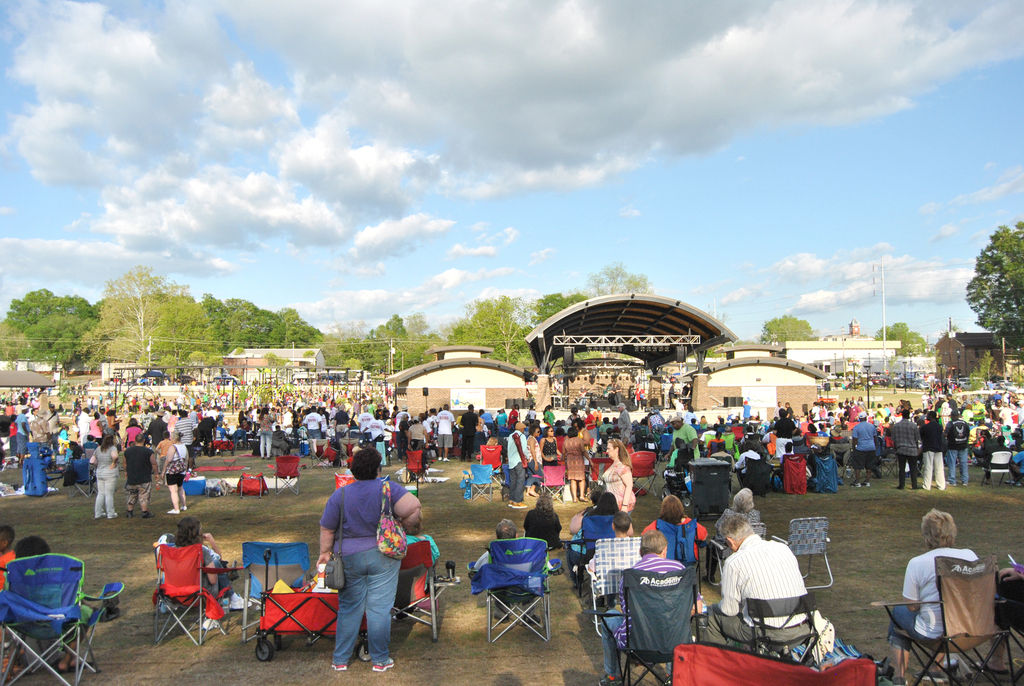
(370, 577)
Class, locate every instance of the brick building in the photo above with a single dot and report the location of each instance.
(960, 354)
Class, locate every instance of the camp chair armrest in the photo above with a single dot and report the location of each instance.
(109, 591)
(903, 603)
(598, 613)
(716, 545)
(220, 570)
(780, 540)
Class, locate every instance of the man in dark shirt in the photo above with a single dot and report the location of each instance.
(156, 430)
(958, 436)
(140, 464)
(784, 425)
(468, 423)
(907, 438)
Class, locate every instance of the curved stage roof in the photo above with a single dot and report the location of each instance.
(628, 315)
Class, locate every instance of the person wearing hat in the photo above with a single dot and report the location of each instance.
(517, 459)
(684, 441)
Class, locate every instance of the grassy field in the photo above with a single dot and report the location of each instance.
(874, 532)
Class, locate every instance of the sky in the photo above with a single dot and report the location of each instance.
(359, 159)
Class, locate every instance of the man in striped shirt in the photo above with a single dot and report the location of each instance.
(613, 632)
(765, 570)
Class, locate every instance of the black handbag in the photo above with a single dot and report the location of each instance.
(334, 570)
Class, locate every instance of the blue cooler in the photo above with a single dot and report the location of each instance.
(195, 486)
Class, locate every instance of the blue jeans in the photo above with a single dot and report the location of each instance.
(370, 584)
(905, 618)
(610, 645)
(956, 458)
(516, 481)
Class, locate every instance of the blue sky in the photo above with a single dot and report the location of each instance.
(362, 159)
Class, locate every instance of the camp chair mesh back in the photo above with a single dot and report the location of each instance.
(611, 556)
(1000, 464)
(809, 536)
(286, 473)
(417, 593)
(581, 550)
(491, 455)
(653, 603)
(516, 583)
(794, 612)
(41, 616)
(265, 564)
(642, 465)
(481, 483)
(85, 478)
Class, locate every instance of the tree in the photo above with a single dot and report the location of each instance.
(181, 329)
(786, 328)
(912, 342)
(501, 322)
(553, 303)
(615, 279)
(53, 327)
(129, 314)
(996, 293)
(295, 329)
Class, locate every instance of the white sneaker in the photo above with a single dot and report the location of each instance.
(173, 511)
(237, 602)
(184, 508)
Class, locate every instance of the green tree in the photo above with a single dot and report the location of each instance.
(553, 303)
(912, 342)
(129, 314)
(786, 328)
(13, 343)
(996, 293)
(181, 330)
(295, 329)
(501, 322)
(53, 327)
(615, 279)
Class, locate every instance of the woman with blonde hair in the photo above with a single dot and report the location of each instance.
(618, 476)
(921, 616)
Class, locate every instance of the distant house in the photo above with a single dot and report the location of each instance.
(299, 363)
(960, 354)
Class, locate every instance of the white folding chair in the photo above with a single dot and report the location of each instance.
(809, 536)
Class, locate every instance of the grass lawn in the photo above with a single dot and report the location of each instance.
(874, 532)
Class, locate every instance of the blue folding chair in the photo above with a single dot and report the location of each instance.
(516, 583)
(481, 483)
(33, 477)
(266, 564)
(85, 478)
(42, 613)
(580, 550)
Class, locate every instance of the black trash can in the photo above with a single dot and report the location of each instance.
(711, 480)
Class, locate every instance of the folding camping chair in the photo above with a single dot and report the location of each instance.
(763, 612)
(657, 609)
(180, 594)
(286, 473)
(490, 455)
(597, 467)
(85, 478)
(516, 583)
(266, 564)
(716, 554)
(809, 536)
(481, 483)
(643, 471)
(41, 616)
(251, 484)
(554, 481)
(611, 556)
(966, 593)
(419, 587)
(415, 469)
(579, 551)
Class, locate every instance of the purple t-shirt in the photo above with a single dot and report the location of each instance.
(362, 514)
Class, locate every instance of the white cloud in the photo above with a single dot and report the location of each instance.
(738, 295)
(459, 250)
(509, 235)
(930, 208)
(378, 303)
(944, 232)
(628, 212)
(541, 255)
(395, 236)
(6, 211)
(1011, 182)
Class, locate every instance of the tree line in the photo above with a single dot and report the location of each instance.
(145, 318)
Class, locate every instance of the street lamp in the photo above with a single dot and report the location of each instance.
(904, 375)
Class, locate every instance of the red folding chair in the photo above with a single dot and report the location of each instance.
(597, 467)
(180, 601)
(415, 469)
(286, 473)
(252, 484)
(643, 471)
(490, 455)
(417, 591)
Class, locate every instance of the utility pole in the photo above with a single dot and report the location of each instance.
(885, 359)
